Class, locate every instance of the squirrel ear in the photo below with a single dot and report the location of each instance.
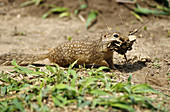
(101, 37)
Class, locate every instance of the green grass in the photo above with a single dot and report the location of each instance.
(52, 88)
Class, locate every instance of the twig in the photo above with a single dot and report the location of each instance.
(136, 30)
(126, 1)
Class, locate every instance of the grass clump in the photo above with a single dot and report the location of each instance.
(53, 88)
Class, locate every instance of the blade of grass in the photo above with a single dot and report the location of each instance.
(46, 14)
(137, 16)
(53, 10)
(148, 11)
(18, 104)
(123, 106)
(59, 9)
(21, 69)
(143, 88)
(92, 16)
(27, 3)
(89, 81)
(99, 92)
(64, 14)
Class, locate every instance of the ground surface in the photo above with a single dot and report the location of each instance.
(42, 35)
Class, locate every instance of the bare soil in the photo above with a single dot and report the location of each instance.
(42, 35)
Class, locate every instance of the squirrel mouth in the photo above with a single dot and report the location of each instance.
(121, 47)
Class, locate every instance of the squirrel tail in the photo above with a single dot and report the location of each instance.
(21, 59)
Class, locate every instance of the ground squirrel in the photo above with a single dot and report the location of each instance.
(98, 52)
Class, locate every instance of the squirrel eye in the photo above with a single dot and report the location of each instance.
(105, 35)
(115, 35)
